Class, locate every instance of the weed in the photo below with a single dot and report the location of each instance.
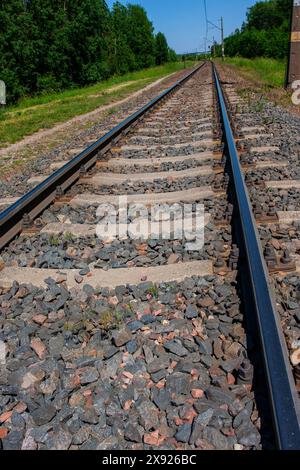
(107, 320)
(54, 241)
(75, 327)
(169, 286)
(128, 310)
(154, 291)
(270, 72)
(68, 236)
(118, 316)
(258, 106)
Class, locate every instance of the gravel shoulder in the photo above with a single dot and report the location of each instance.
(274, 189)
(249, 87)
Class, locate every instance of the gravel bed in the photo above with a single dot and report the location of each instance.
(252, 158)
(273, 174)
(283, 129)
(165, 166)
(168, 140)
(281, 236)
(183, 128)
(68, 214)
(281, 199)
(158, 186)
(283, 125)
(166, 152)
(141, 367)
(288, 296)
(64, 252)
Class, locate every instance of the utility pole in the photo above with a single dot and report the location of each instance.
(222, 34)
(2, 93)
(293, 70)
(222, 38)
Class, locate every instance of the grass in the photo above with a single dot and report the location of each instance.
(54, 241)
(266, 78)
(42, 112)
(153, 291)
(268, 72)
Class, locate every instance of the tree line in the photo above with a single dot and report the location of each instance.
(49, 45)
(265, 32)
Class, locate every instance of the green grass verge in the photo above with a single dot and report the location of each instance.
(269, 72)
(43, 112)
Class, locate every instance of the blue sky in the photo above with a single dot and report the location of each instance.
(183, 21)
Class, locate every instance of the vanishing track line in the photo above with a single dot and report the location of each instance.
(147, 342)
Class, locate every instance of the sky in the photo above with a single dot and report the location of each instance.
(183, 21)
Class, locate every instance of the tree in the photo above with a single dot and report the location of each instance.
(161, 49)
(54, 44)
(19, 44)
(90, 38)
(124, 59)
(172, 55)
(140, 36)
(50, 20)
(262, 15)
(265, 33)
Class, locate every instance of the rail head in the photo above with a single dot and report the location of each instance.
(283, 395)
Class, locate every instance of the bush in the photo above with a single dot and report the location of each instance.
(265, 33)
(48, 45)
(47, 83)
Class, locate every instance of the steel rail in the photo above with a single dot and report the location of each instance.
(281, 386)
(42, 195)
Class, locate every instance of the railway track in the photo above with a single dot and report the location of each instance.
(131, 342)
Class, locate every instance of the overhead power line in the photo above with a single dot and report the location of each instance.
(206, 20)
(220, 28)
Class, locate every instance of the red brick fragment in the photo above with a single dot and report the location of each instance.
(161, 384)
(20, 407)
(3, 433)
(128, 375)
(230, 379)
(153, 439)
(178, 421)
(5, 416)
(39, 319)
(39, 348)
(197, 393)
(127, 405)
(189, 415)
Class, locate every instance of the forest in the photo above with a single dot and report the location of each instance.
(50, 45)
(265, 32)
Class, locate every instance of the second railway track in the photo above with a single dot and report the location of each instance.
(130, 343)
